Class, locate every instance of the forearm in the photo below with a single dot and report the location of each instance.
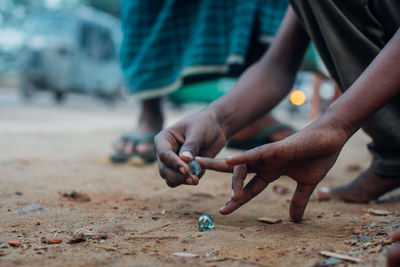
(378, 84)
(265, 83)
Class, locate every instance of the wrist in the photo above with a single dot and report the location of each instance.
(338, 122)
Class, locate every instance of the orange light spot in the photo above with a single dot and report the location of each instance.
(297, 97)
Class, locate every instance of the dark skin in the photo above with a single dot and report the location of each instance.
(306, 156)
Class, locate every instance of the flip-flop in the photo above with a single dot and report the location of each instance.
(261, 138)
(149, 157)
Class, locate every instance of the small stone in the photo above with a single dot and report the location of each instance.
(331, 261)
(185, 254)
(77, 239)
(155, 216)
(269, 220)
(373, 224)
(30, 208)
(357, 231)
(364, 238)
(206, 222)
(280, 189)
(14, 243)
(195, 168)
(38, 223)
(95, 236)
(18, 193)
(56, 241)
(379, 212)
(73, 195)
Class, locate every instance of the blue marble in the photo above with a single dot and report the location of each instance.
(195, 168)
(206, 222)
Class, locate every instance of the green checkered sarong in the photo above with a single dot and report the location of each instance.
(168, 42)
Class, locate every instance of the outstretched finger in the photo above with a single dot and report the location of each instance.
(252, 189)
(219, 165)
(251, 156)
(299, 201)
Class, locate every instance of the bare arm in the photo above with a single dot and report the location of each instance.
(268, 81)
(258, 90)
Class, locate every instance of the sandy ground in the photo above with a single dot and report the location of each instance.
(46, 151)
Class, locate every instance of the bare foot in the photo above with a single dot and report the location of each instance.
(366, 187)
(393, 255)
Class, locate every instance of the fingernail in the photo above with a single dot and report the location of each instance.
(187, 154)
(232, 194)
(222, 208)
(182, 170)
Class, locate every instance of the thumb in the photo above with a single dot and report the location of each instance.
(191, 146)
(299, 201)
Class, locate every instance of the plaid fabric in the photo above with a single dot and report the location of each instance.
(165, 41)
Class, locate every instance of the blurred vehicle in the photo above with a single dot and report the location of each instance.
(71, 51)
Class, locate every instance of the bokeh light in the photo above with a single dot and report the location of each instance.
(297, 97)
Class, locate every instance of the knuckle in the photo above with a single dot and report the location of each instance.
(171, 184)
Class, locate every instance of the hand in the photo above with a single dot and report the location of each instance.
(306, 157)
(199, 134)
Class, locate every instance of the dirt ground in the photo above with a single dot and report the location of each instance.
(46, 151)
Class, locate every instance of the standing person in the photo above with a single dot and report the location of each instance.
(359, 41)
(168, 43)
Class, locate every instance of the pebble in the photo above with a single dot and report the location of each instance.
(30, 208)
(185, 254)
(280, 189)
(357, 231)
(269, 220)
(379, 212)
(329, 262)
(364, 238)
(81, 197)
(14, 243)
(195, 168)
(373, 224)
(206, 222)
(95, 236)
(56, 241)
(77, 239)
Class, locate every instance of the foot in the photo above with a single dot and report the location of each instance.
(150, 122)
(366, 187)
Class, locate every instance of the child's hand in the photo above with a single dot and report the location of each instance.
(200, 134)
(306, 157)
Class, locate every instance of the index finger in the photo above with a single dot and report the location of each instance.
(219, 165)
(166, 147)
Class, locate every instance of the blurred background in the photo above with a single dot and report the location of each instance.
(60, 46)
(70, 47)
